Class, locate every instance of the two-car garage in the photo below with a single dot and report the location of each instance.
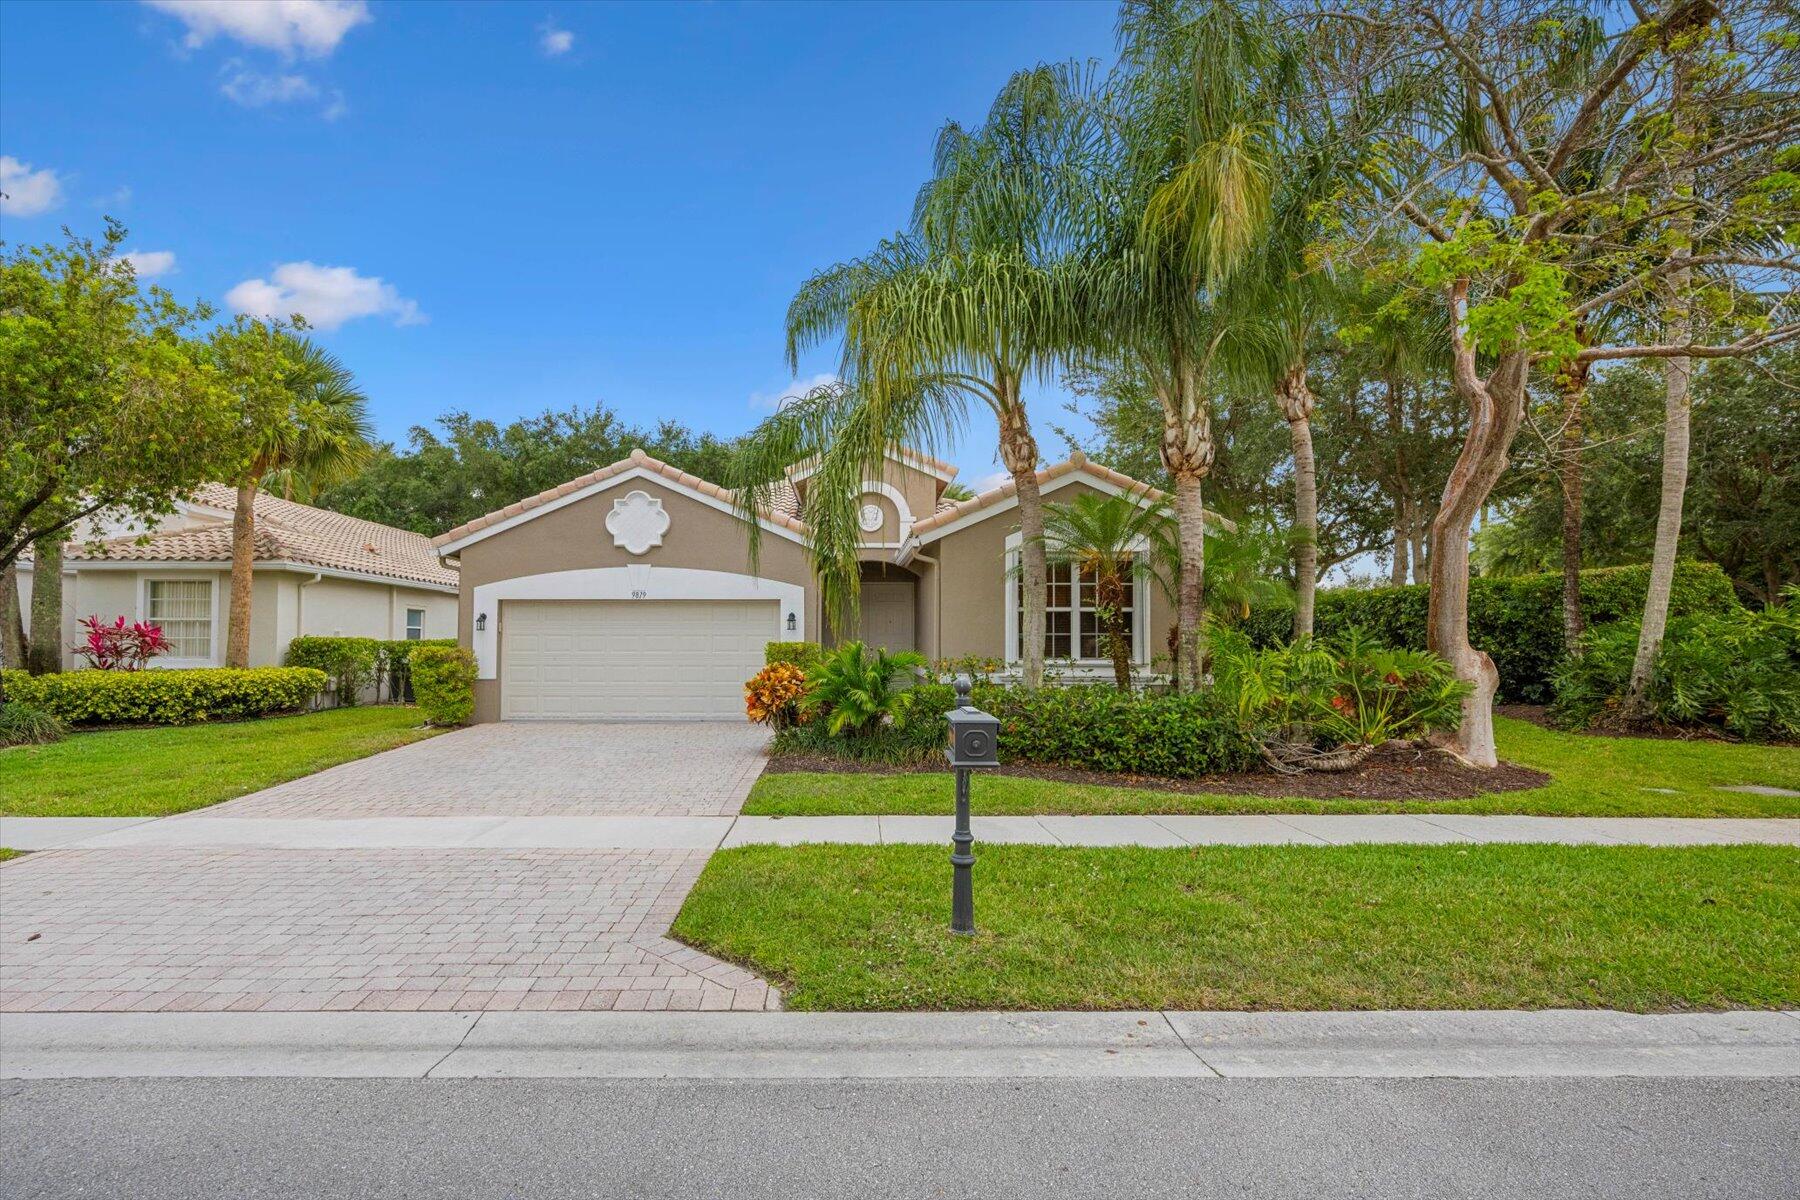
(577, 660)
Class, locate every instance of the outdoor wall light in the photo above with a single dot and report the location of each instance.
(481, 623)
(793, 622)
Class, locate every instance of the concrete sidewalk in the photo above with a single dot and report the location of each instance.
(1110, 1045)
(708, 832)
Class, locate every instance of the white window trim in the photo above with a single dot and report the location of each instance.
(1140, 609)
(217, 619)
(637, 582)
(406, 612)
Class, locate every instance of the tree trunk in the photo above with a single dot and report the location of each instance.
(243, 565)
(1421, 558)
(1109, 593)
(1402, 542)
(1496, 407)
(1402, 492)
(44, 652)
(1187, 451)
(1296, 401)
(1568, 474)
(1019, 451)
(12, 619)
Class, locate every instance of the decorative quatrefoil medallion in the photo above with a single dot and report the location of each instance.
(637, 522)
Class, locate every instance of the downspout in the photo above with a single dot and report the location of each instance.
(300, 603)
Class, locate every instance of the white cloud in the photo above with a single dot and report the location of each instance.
(773, 399)
(150, 263)
(119, 197)
(313, 27)
(27, 192)
(253, 89)
(326, 296)
(990, 481)
(553, 41)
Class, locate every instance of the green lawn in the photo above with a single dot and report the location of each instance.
(170, 769)
(1265, 927)
(1594, 776)
(7, 852)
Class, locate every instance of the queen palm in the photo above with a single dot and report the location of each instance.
(966, 307)
(1105, 539)
(310, 421)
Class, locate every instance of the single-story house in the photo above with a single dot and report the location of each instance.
(628, 593)
(317, 573)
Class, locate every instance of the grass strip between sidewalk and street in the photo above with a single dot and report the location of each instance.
(156, 771)
(1261, 927)
(1593, 777)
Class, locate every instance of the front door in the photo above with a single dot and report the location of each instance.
(887, 614)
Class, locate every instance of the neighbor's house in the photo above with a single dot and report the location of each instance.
(317, 573)
(628, 593)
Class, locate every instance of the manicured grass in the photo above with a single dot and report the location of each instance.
(1593, 776)
(1264, 927)
(7, 852)
(154, 772)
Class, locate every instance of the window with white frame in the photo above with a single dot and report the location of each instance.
(182, 608)
(1072, 627)
(415, 624)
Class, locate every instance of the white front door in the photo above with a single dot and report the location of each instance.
(575, 660)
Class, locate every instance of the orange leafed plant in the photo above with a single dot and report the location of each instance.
(773, 694)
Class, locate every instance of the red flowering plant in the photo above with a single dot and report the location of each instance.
(120, 647)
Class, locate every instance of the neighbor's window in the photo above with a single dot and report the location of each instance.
(415, 624)
(1071, 624)
(183, 608)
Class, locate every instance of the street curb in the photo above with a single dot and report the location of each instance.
(1110, 1045)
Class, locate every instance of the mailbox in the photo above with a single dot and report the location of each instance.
(974, 735)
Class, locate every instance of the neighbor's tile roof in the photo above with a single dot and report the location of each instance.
(905, 453)
(1076, 462)
(781, 512)
(286, 532)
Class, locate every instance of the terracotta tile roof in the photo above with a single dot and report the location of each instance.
(1076, 462)
(286, 532)
(638, 458)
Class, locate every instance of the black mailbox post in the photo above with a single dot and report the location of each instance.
(974, 745)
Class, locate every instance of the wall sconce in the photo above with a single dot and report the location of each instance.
(793, 622)
(481, 623)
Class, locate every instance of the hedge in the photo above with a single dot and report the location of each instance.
(443, 679)
(171, 697)
(354, 663)
(1517, 620)
(804, 655)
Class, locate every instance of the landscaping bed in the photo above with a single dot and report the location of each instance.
(1265, 927)
(152, 772)
(1394, 772)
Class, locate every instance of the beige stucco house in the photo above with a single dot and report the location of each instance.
(317, 572)
(629, 593)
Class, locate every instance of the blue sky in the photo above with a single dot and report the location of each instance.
(508, 207)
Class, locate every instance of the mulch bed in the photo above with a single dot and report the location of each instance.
(1393, 772)
(1538, 715)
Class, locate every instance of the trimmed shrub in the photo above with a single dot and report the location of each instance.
(174, 697)
(1739, 673)
(24, 724)
(1516, 620)
(804, 655)
(443, 679)
(772, 697)
(354, 663)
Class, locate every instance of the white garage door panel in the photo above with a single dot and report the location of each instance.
(645, 659)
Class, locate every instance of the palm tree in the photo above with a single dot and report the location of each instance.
(970, 303)
(1105, 539)
(311, 422)
(1190, 155)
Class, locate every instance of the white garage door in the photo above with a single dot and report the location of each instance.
(630, 659)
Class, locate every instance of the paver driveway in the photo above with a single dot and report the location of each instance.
(185, 929)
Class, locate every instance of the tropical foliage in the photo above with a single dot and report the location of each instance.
(773, 695)
(855, 688)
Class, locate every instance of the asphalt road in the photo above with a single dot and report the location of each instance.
(997, 1139)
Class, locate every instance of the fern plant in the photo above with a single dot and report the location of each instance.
(853, 688)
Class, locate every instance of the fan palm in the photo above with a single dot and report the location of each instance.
(965, 307)
(311, 421)
(1105, 539)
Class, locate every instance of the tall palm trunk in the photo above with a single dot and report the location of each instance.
(1296, 401)
(243, 564)
(1187, 451)
(1019, 451)
(1568, 474)
(1109, 596)
(12, 619)
(44, 651)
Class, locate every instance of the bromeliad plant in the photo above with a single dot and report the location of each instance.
(1325, 706)
(118, 646)
(853, 689)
